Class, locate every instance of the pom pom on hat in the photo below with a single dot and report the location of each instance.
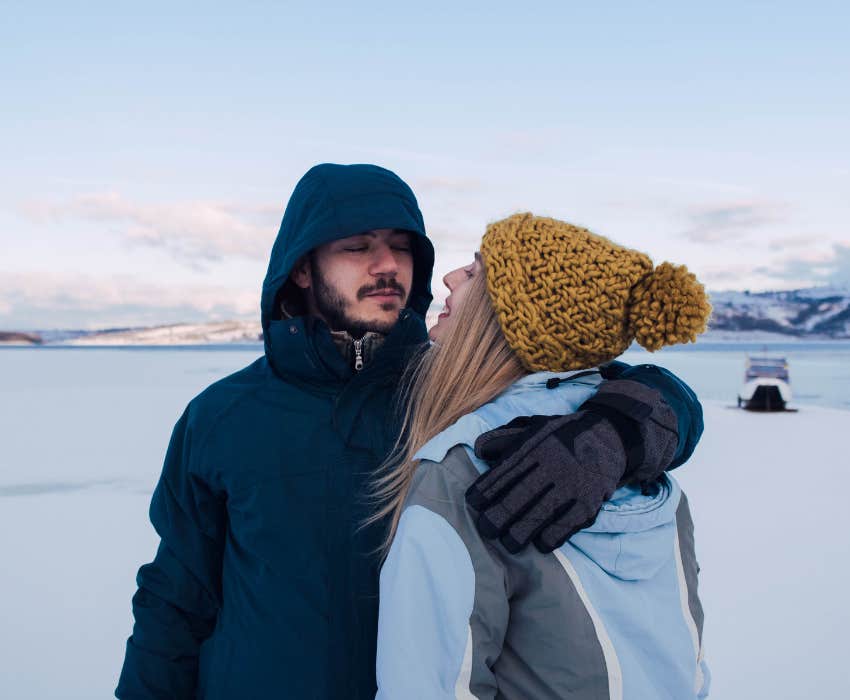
(668, 306)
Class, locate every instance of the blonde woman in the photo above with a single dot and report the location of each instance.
(613, 612)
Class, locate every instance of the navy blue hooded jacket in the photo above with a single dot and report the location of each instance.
(265, 584)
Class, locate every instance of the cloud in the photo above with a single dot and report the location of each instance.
(726, 222)
(826, 267)
(453, 185)
(193, 232)
(816, 268)
(840, 265)
(799, 241)
(41, 300)
(725, 275)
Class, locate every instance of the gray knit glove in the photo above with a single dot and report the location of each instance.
(550, 475)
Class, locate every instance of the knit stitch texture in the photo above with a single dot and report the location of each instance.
(567, 298)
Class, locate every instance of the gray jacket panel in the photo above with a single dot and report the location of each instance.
(550, 649)
(685, 525)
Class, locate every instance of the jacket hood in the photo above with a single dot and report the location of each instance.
(633, 535)
(335, 201)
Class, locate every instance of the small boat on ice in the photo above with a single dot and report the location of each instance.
(767, 386)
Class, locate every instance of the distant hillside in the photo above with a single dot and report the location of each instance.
(820, 312)
(15, 338)
(219, 332)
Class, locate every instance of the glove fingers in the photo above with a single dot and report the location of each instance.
(498, 445)
(512, 505)
(493, 445)
(496, 483)
(519, 422)
(569, 522)
(527, 527)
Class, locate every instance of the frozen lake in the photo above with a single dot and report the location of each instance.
(820, 372)
(83, 433)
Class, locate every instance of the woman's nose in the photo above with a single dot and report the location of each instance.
(450, 280)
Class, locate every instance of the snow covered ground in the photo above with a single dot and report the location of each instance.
(773, 541)
(83, 433)
(178, 334)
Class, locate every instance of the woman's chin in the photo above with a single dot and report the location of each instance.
(435, 332)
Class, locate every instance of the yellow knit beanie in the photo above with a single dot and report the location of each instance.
(569, 299)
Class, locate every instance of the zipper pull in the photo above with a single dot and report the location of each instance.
(358, 355)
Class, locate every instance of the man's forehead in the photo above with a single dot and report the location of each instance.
(385, 232)
(379, 233)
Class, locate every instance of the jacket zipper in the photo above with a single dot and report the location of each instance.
(358, 355)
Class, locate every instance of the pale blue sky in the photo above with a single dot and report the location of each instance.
(149, 150)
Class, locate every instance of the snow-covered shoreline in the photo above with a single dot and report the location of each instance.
(773, 555)
(82, 437)
(222, 332)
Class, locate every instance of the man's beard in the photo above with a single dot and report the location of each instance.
(332, 305)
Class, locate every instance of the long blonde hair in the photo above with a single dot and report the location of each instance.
(470, 366)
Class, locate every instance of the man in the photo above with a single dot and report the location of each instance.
(265, 582)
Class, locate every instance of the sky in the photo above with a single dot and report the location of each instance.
(148, 150)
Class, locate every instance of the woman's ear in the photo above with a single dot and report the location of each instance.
(301, 273)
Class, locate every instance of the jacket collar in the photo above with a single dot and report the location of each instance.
(305, 350)
(348, 348)
(345, 342)
(364, 413)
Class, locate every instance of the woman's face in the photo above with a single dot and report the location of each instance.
(458, 283)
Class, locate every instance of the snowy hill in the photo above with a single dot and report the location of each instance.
(219, 332)
(820, 312)
(17, 338)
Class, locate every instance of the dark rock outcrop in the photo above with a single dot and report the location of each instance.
(18, 338)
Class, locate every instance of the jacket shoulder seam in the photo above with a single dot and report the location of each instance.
(219, 415)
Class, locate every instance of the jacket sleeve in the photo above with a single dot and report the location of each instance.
(444, 605)
(678, 395)
(427, 592)
(179, 593)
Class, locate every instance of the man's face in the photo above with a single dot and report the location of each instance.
(360, 283)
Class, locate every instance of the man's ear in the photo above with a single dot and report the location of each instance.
(301, 273)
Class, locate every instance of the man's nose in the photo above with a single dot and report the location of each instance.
(384, 262)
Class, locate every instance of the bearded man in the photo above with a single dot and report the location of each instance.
(265, 583)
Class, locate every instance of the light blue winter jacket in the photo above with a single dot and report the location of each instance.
(612, 614)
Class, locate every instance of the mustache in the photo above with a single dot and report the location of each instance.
(382, 285)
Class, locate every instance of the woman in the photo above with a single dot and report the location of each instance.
(614, 612)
